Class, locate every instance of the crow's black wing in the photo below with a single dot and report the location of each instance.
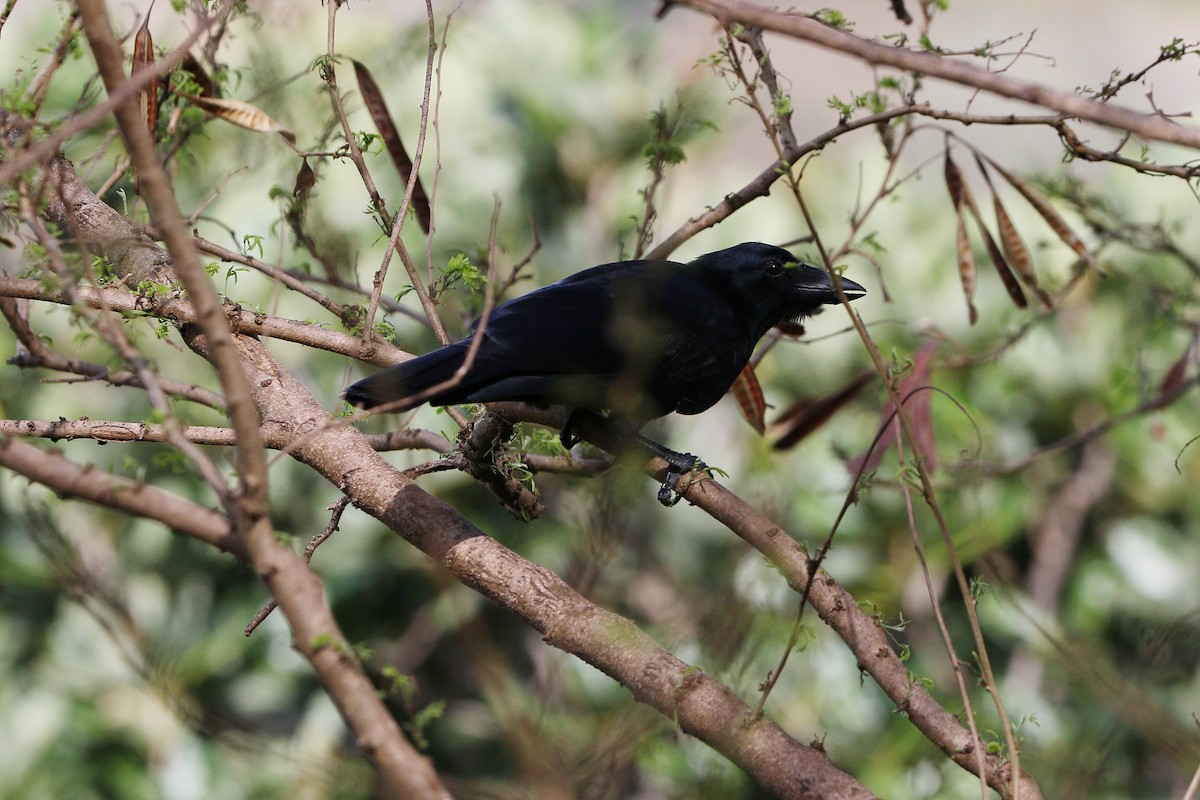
(557, 329)
(709, 345)
(542, 346)
(563, 342)
(656, 327)
(653, 329)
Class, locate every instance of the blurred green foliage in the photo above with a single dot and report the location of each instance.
(123, 668)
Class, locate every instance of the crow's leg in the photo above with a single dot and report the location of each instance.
(678, 465)
(567, 435)
(620, 433)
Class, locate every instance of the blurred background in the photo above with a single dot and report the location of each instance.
(123, 668)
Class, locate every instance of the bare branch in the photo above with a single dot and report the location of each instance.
(181, 312)
(1152, 127)
(67, 479)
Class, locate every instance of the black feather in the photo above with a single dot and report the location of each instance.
(639, 339)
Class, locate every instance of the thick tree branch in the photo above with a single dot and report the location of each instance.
(861, 631)
(701, 706)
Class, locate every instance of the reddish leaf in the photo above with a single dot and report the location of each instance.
(749, 395)
(962, 245)
(377, 108)
(917, 405)
(954, 180)
(1014, 247)
(960, 195)
(807, 416)
(1017, 252)
(305, 180)
(1173, 381)
(998, 261)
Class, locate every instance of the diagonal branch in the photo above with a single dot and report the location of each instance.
(249, 508)
(68, 479)
(1153, 127)
(316, 633)
(701, 706)
(861, 632)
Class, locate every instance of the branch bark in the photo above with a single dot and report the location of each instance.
(51, 469)
(701, 706)
(173, 308)
(839, 609)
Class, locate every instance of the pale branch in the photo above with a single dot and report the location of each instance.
(172, 308)
(568, 464)
(338, 508)
(760, 186)
(67, 480)
(282, 277)
(107, 430)
(1088, 153)
(348, 286)
(406, 203)
(36, 353)
(298, 282)
(316, 633)
(329, 75)
(1152, 127)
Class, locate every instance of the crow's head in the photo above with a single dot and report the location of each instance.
(768, 285)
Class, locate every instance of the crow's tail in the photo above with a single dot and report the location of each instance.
(410, 380)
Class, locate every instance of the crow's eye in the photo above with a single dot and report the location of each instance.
(774, 269)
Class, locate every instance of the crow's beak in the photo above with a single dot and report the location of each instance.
(816, 286)
(852, 290)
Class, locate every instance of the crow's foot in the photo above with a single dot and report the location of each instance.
(667, 494)
(678, 465)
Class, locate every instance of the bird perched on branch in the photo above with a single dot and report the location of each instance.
(633, 339)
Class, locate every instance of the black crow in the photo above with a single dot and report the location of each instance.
(633, 339)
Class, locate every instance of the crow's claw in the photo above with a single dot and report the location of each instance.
(566, 435)
(677, 466)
